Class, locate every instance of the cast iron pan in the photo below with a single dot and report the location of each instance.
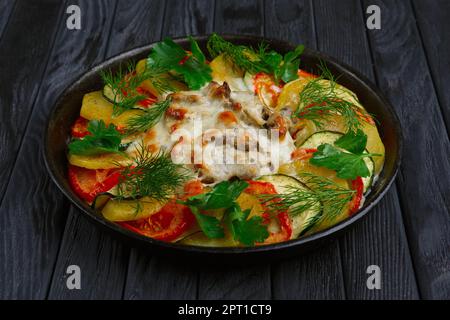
(68, 107)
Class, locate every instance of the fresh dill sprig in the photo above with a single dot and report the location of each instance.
(151, 175)
(244, 57)
(148, 118)
(321, 99)
(123, 84)
(281, 67)
(321, 193)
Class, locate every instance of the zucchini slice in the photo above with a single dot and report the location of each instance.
(127, 210)
(109, 94)
(330, 137)
(303, 222)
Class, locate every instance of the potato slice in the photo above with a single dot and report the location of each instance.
(95, 107)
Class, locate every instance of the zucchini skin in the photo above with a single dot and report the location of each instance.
(321, 137)
(301, 223)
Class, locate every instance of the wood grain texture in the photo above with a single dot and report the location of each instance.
(197, 18)
(29, 227)
(103, 259)
(239, 17)
(6, 8)
(379, 239)
(317, 275)
(22, 71)
(46, 204)
(424, 179)
(434, 26)
(151, 277)
(155, 278)
(314, 276)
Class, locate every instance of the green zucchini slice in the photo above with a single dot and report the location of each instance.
(330, 137)
(303, 222)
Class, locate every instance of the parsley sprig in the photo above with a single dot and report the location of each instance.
(101, 139)
(223, 196)
(348, 164)
(191, 66)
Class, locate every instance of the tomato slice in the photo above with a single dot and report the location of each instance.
(282, 220)
(79, 128)
(305, 75)
(165, 225)
(171, 221)
(358, 186)
(147, 102)
(87, 183)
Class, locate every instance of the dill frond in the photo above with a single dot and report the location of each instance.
(321, 193)
(320, 100)
(151, 175)
(148, 118)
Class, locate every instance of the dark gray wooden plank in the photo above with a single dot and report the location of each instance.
(29, 227)
(434, 26)
(154, 277)
(314, 276)
(237, 17)
(196, 18)
(6, 8)
(102, 258)
(22, 69)
(379, 239)
(46, 203)
(317, 275)
(424, 179)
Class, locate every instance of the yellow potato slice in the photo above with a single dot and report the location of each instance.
(95, 107)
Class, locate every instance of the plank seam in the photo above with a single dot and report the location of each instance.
(9, 19)
(430, 70)
(397, 193)
(33, 104)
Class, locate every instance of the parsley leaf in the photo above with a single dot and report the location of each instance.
(210, 225)
(354, 142)
(246, 231)
(102, 139)
(190, 65)
(347, 165)
(289, 69)
(223, 196)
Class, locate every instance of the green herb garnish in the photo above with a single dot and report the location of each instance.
(246, 231)
(321, 194)
(321, 99)
(224, 196)
(348, 164)
(190, 65)
(148, 118)
(151, 175)
(261, 60)
(101, 139)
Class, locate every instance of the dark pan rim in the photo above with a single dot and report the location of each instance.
(321, 235)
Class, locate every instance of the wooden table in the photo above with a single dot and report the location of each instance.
(407, 235)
